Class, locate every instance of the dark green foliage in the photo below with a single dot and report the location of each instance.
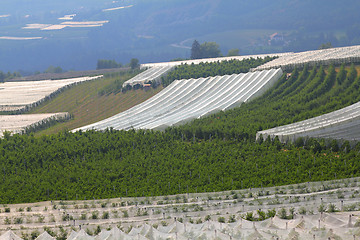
(283, 213)
(8, 76)
(205, 50)
(49, 231)
(34, 234)
(213, 69)
(106, 64)
(134, 63)
(271, 213)
(210, 50)
(97, 230)
(325, 45)
(93, 164)
(52, 69)
(105, 215)
(221, 219)
(195, 50)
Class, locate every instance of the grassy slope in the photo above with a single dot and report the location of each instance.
(88, 107)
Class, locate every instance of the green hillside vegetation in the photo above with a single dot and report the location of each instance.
(87, 102)
(213, 69)
(212, 154)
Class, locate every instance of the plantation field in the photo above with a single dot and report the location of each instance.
(196, 160)
(87, 106)
(214, 153)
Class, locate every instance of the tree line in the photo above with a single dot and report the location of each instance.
(209, 50)
(108, 64)
(7, 76)
(211, 69)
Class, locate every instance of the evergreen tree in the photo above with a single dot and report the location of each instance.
(195, 50)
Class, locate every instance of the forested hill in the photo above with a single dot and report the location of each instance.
(212, 154)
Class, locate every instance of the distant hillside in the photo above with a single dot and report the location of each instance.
(162, 30)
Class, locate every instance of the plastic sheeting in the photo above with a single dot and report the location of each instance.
(184, 100)
(319, 226)
(340, 124)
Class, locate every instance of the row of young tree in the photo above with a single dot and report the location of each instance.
(219, 68)
(212, 154)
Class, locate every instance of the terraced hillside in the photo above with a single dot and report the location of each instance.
(185, 100)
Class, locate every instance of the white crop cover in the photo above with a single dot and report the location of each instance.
(210, 60)
(332, 225)
(19, 123)
(315, 58)
(184, 100)
(15, 96)
(151, 74)
(340, 124)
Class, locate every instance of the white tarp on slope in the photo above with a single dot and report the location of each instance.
(153, 74)
(184, 100)
(18, 123)
(340, 124)
(18, 95)
(315, 58)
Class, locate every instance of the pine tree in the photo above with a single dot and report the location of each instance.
(195, 50)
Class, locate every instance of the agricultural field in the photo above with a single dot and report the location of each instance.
(337, 56)
(22, 123)
(343, 124)
(307, 93)
(87, 103)
(213, 60)
(184, 100)
(20, 96)
(313, 210)
(210, 162)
